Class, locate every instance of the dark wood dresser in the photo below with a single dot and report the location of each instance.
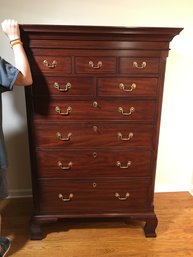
(93, 117)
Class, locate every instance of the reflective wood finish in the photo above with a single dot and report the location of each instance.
(104, 237)
(93, 117)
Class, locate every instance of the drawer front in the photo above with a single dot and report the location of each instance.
(51, 64)
(77, 196)
(93, 163)
(123, 86)
(95, 64)
(63, 86)
(97, 110)
(93, 135)
(139, 65)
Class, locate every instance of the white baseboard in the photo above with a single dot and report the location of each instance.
(191, 190)
(20, 193)
(173, 188)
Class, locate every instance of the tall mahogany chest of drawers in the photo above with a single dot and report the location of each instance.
(93, 117)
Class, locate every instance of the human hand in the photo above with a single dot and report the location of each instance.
(11, 28)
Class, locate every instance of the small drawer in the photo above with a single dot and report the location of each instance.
(124, 86)
(63, 86)
(97, 163)
(139, 65)
(93, 195)
(95, 64)
(52, 64)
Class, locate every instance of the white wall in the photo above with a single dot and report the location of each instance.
(175, 165)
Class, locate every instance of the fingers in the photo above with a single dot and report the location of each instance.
(11, 28)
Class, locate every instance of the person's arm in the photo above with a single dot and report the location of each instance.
(11, 29)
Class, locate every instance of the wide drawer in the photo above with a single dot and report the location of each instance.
(124, 86)
(95, 64)
(93, 163)
(93, 196)
(93, 135)
(139, 65)
(99, 109)
(63, 86)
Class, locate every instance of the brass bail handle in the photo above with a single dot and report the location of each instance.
(68, 110)
(120, 136)
(119, 164)
(123, 87)
(65, 89)
(117, 195)
(60, 137)
(97, 66)
(48, 65)
(61, 166)
(140, 67)
(131, 110)
(67, 199)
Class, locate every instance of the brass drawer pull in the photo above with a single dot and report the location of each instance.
(68, 111)
(136, 65)
(66, 199)
(131, 110)
(123, 167)
(123, 87)
(59, 136)
(50, 66)
(120, 136)
(98, 66)
(65, 89)
(68, 167)
(117, 195)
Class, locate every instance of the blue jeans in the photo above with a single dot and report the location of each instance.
(3, 184)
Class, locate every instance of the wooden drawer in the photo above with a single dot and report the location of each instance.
(139, 65)
(51, 64)
(96, 110)
(93, 163)
(95, 64)
(63, 86)
(93, 196)
(93, 135)
(124, 86)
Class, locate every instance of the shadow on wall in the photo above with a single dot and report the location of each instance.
(16, 139)
(19, 168)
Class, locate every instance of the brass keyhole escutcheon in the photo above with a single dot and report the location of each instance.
(94, 154)
(95, 129)
(95, 104)
(94, 184)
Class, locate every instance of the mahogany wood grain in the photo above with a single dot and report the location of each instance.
(66, 163)
(94, 111)
(93, 134)
(120, 237)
